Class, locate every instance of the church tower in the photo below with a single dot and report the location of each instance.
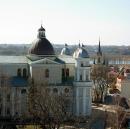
(99, 54)
(100, 58)
(82, 83)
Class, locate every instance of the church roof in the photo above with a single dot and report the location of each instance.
(18, 82)
(65, 50)
(81, 52)
(41, 46)
(13, 59)
(67, 59)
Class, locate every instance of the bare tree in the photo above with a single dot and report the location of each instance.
(103, 79)
(116, 114)
(99, 75)
(47, 109)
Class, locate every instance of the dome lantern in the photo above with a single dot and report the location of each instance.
(41, 32)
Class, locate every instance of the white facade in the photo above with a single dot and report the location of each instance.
(64, 73)
(82, 86)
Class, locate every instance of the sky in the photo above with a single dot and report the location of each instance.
(66, 21)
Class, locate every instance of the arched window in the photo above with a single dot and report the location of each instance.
(1, 109)
(24, 73)
(80, 77)
(8, 111)
(0, 98)
(23, 91)
(63, 72)
(66, 90)
(86, 77)
(8, 97)
(63, 75)
(67, 72)
(55, 90)
(19, 72)
(82, 64)
(47, 73)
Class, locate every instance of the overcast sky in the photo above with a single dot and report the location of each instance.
(66, 21)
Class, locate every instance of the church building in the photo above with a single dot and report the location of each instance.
(66, 73)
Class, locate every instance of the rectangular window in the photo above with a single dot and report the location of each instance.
(8, 98)
(67, 72)
(63, 72)
(47, 73)
(82, 65)
(8, 111)
(87, 77)
(0, 98)
(1, 109)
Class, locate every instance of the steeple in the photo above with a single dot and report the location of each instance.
(79, 44)
(99, 49)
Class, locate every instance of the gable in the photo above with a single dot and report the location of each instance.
(44, 61)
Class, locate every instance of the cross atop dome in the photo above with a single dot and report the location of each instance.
(41, 32)
(41, 28)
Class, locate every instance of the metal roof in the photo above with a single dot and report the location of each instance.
(67, 59)
(13, 59)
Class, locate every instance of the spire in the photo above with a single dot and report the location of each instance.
(79, 43)
(99, 49)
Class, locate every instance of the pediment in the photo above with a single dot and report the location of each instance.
(45, 61)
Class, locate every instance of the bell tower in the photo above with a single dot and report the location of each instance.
(82, 84)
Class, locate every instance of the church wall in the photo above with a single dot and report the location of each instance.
(11, 69)
(71, 69)
(67, 92)
(11, 97)
(55, 75)
(13, 101)
(82, 101)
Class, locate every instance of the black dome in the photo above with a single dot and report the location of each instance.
(42, 47)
